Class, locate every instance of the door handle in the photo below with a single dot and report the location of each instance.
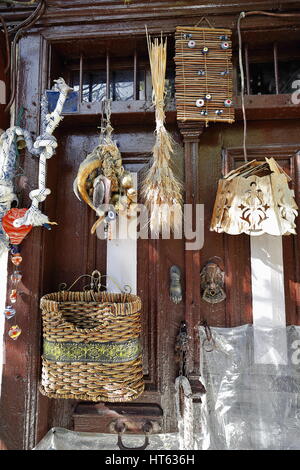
(120, 428)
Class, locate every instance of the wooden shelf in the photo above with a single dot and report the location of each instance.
(123, 113)
(139, 113)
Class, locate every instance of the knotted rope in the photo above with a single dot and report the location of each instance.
(44, 148)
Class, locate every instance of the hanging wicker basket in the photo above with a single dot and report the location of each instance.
(91, 346)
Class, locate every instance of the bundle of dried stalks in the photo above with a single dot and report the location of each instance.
(160, 188)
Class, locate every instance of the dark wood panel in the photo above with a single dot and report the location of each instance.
(21, 368)
(4, 77)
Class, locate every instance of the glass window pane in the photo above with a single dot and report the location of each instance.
(288, 73)
(121, 87)
(94, 85)
(170, 83)
(262, 79)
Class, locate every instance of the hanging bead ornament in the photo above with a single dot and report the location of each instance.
(9, 312)
(203, 70)
(16, 223)
(227, 103)
(16, 234)
(13, 296)
(200, 103)
(14, 332)
(225, 45)
(16, 259)
(16, 277)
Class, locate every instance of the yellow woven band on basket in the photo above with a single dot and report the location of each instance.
(105, 353)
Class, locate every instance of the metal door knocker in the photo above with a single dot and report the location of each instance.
(120, 428)
(175, 284)
(212, 282)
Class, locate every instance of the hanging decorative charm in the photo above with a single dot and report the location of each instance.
(15, 234)
(16, 223)
(255, 199)
(102, 180)
(161, 189)
(14, 332)
(9, 312)
(204, 69)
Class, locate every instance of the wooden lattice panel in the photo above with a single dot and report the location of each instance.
(204, 74)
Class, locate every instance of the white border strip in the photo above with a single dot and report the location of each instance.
(268, 300)
(122, 254)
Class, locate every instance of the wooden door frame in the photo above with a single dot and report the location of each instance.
(23, 411)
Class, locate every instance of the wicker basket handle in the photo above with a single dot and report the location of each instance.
(102, 324)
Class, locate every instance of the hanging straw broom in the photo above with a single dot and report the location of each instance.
(160, 188)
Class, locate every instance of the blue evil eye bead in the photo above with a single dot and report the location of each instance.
(228, 103)
(219, 112)
(9, 312)
(224, 45)
(111, 215)
(203, 112)
(205, 50)
(201, 73)
(224, 37)
(200, 103)
(224, 73)
(208, 97)
(192, 44)
(14, 249)
(187, 35)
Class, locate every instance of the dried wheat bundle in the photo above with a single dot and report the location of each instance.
(160, 188)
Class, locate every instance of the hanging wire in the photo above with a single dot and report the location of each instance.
(30, 21)
(7, 45)
(95, 283)
(241, 16)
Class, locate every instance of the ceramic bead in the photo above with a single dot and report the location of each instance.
(9, 312)
(14, 332)
(16, 259)
(13, 296)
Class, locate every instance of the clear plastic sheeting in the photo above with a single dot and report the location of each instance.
(63, 439)
(249, 405)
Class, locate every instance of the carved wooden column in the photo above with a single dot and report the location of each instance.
(191, 132)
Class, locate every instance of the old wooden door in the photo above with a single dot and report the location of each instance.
(69, 250)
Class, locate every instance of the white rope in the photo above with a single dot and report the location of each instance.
(45, 145)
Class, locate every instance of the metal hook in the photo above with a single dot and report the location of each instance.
(208, 343)
(121, 428)
(95, 283)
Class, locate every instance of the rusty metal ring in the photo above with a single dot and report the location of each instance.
(120, 428)
(211, 342)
